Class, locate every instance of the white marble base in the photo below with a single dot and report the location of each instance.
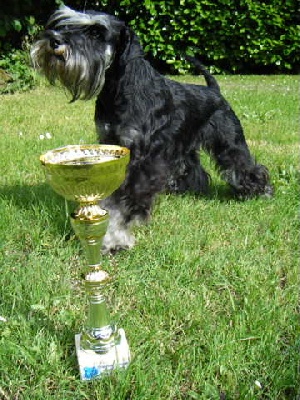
(93, 365)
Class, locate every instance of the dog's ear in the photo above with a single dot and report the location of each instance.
(97, 31)
(106, 27)
(129, 45)
(124, 39)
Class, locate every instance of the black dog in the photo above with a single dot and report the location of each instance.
(162, 122)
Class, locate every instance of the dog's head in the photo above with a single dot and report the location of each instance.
(77, 48)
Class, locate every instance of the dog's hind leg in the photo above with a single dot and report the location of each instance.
(188, 175)
(225, 140)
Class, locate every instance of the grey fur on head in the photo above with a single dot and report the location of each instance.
(58, 55)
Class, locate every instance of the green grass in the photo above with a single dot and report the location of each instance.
(208, 297)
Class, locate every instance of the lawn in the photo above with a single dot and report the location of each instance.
(208, 297)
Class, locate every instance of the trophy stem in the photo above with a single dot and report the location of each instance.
(90, 223)
(99, 334)
(101, 346)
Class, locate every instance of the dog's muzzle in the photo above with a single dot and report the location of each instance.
(56, 45)
(66, 54)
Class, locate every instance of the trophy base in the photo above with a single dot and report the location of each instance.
(93, 365)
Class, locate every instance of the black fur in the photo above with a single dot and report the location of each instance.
(165, 124)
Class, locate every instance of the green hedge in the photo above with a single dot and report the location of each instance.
(246, 36)
(233, 36)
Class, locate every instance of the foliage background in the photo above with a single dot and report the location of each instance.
(232, 36)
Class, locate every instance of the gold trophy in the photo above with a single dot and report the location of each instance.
(87, 174)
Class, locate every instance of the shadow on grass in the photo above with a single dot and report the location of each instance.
(220, 192)
(38, 199)
(24, 196)
(217, 192)
(41, 196)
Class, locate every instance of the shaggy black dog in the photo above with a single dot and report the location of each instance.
(162, 122)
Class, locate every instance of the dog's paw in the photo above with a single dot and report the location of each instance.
(114, 249)
(117, 241)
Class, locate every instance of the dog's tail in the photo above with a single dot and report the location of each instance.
(200, 69)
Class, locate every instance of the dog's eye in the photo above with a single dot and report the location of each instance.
(93, 32)
(97, 32)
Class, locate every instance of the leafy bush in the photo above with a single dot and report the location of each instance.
(20, 75)
(14, 29)
(231, 35)
(16, 33)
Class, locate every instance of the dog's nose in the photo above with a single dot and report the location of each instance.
(53, 37)
(54, 43)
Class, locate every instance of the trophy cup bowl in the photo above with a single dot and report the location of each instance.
(87, 174)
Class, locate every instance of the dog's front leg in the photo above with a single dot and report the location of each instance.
(118, 235)
(132, 202)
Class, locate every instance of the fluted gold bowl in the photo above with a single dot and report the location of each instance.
(85, 173)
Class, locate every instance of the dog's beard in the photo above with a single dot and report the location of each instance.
(83, 76)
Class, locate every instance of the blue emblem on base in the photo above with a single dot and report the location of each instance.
(91, 372)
